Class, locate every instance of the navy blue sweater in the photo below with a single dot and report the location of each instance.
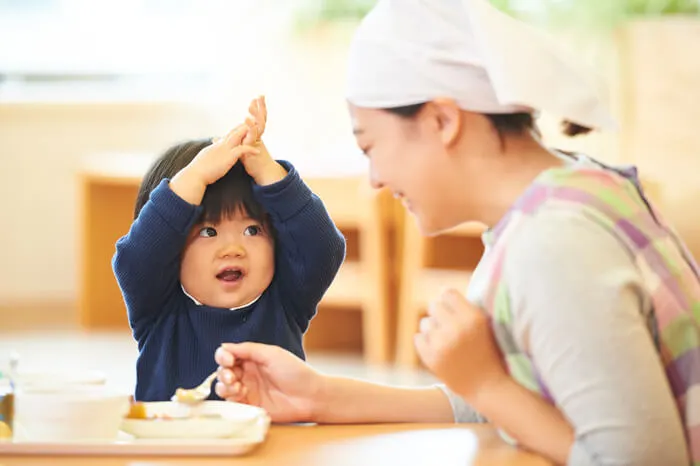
(176, 337)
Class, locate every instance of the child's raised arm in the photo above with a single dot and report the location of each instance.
(310, 249)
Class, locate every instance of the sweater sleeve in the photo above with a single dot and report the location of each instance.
(310, 247)
(462, 411)
(147, 259)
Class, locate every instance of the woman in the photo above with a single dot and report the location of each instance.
(577, 339)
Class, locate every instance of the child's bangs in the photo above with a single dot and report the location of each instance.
(231, 195)
(221, 208)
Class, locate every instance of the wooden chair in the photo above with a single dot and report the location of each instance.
(364, 281)
(429, 266)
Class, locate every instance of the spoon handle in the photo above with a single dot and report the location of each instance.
(208, 381)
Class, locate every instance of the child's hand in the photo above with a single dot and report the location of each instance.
(256, 121)
(216, 160)
(210, 164)
(456, 342)
(261, 167)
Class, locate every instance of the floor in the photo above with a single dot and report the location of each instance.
(61, 351)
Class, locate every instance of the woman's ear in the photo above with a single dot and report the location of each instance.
(449, 119)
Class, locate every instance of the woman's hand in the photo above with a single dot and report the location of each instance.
(456, 342)
(269, 377)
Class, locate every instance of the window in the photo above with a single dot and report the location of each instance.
(82, 43)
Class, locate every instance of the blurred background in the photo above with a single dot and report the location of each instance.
(91, 91)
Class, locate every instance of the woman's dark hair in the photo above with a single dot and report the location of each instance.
(223, 198)
(505, 123)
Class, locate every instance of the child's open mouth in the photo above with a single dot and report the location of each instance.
(230, 275)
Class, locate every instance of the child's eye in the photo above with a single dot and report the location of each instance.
(253, 230)
(207, 232)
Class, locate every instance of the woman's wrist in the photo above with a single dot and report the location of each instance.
(320, 394)
(482, 395)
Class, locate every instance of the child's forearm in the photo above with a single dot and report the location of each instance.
(271, 174)
(188, 186)
(525, 416)
(263, 168)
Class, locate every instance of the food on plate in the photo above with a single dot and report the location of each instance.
(5, 431)
(138, 410)
(185, 396)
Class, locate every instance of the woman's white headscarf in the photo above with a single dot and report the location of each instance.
(411, 51)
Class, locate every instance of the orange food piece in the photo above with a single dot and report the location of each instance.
(137, 411)
(5, 431)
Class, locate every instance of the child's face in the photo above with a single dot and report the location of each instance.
(228, 264)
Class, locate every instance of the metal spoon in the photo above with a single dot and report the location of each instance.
(196, 394)
(14, 363)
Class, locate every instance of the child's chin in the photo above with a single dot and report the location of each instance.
(223, 302)
(236, 302)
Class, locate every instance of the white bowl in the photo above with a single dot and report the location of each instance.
(232, 419)
(77, 413)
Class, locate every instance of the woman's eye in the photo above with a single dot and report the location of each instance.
(253, 230)
(207, 232)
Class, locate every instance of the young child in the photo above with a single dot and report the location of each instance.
(227, 245)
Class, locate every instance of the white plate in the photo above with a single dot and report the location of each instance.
(233, 419)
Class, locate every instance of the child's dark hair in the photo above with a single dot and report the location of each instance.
(506, 123)
(223, 198)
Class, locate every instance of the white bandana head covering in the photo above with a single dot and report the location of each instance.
(412, 51)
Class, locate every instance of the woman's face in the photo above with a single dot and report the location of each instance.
(420, 159)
